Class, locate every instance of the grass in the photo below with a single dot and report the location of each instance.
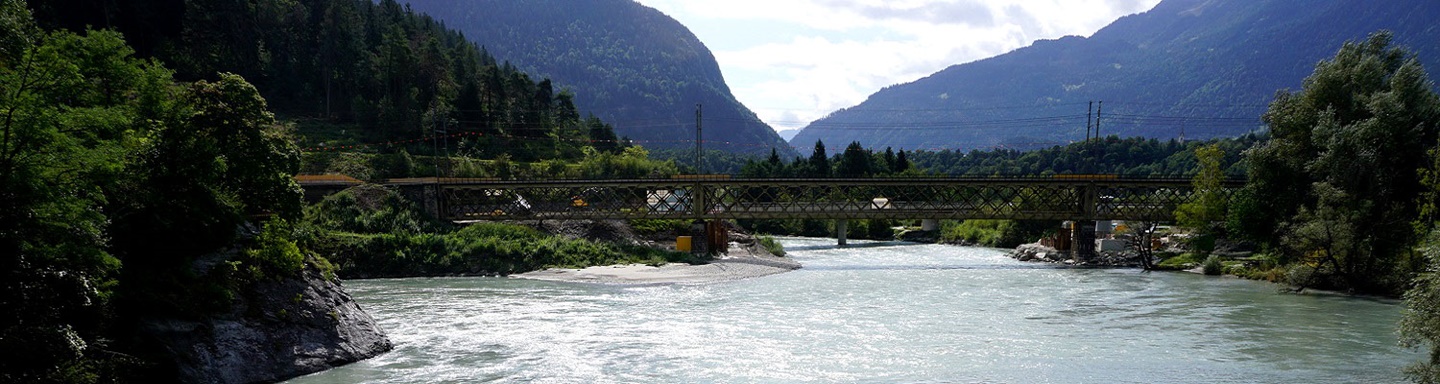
(1182, 261)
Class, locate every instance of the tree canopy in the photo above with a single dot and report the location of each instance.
(114, 179)
(1339, 172)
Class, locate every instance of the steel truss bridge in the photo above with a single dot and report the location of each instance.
(1066, 197)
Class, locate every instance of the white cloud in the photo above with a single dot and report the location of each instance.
(794, 61)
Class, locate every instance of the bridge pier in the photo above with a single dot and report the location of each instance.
(1084, 240)
(841, 227)
(929, 225)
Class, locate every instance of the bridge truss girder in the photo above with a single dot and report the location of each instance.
(925, 198)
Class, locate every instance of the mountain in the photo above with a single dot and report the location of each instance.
(628, 64)
(363, 72)
(787, 134)
(1197, 68)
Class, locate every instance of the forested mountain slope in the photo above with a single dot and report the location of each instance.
(377, 68)
(628, 64)
(1206, 68)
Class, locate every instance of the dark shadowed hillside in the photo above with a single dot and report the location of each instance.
(626, 63)
(1206, 68)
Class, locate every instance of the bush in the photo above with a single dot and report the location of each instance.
(771, 245)
(370, 209)
(982, 232)
(995, 233)
(1213, 266)
(479, 249)
(275, 254)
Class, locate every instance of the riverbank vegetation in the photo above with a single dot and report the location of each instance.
(371, 232)
(1342, 195)
(126, 195)
(770, 244)
(995, 233)
(1335, 188)
(158, 185)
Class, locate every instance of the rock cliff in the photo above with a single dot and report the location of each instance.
(275, 330)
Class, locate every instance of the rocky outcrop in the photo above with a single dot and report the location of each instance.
(1040, 253)
(277, 329)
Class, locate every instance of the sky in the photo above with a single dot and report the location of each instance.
(794, 61)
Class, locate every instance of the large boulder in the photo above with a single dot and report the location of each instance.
(277, 330)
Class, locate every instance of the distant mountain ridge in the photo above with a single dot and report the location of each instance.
(628, 64)
(1206, 68)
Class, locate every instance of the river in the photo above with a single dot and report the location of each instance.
(879, 312)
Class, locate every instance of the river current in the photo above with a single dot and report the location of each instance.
(882, 313)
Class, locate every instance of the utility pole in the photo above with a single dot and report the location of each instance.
(1089, 117)
(699, 157)
(1098, 113)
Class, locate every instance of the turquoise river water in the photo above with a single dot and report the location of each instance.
(879, 313)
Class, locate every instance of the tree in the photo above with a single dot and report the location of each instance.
(1420, 326)
(901, 164)
(854, 162)
(1208, 204)
(74, 110)
(819, 161)
(1344, 153)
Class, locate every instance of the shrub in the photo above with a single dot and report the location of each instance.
(274, 253)
(1212, 266)
(370, 209)
(1299, 275)
(769, 243)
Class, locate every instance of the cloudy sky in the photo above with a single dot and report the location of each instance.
(793, 61)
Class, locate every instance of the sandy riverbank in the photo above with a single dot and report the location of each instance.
(736, 266)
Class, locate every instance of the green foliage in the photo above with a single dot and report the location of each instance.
(1212, 266)
(1352, 141)
(633, 162)
(1135, 156)
(819, 165)
(481, 249)
(370, 231)
(658, 226)
(877, 229)
(855, 161)
(1420, 326)
(626, 62)
(1181, 262)
(104, 159)
(67, 112)
(1208, 204)
(770, 245)
(983, 232)
(275, 254)
(370, 209)
(359, 71)
(994, 233)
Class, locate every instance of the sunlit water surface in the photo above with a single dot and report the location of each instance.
(879, 312)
